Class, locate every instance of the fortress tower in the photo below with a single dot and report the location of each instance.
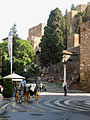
(35, 34)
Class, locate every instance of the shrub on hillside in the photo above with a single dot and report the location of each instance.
(8, 88)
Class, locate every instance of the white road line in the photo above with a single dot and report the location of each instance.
(67, 107)
(51, 105)
(57, 102)
(67, 102)
(80, 108)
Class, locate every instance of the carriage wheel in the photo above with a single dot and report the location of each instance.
(37, 95)
(16, 97)
(28, 97)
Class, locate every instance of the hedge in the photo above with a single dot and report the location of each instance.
(8, 88)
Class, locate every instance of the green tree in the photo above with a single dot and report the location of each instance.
(15, 36)
(23, 55)
(79, 21)
(52, 41)
(33, 71)
(73, 7)
(87, 13)
(14, 31)
(67, 28)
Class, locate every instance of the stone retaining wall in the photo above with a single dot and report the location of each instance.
(85, 56)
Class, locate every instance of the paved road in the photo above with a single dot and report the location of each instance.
(50, 107)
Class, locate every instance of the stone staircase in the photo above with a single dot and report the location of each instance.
(52, 87)
(57, 88)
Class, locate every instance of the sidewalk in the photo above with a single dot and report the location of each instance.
(3, 104)
(69, 94)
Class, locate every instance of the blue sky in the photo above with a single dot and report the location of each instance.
(29, 13)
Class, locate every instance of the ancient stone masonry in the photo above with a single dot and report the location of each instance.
(81, 7)
(78, 65)
(73, 40)
(72, 19)
(85, 56)
(35, 34)
(72, 15)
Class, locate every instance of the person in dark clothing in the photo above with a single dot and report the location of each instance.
(65, 90)
(24, 83)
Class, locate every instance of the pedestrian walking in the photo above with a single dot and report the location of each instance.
(20, 93)
(45, 87)
(24, 83)
(41, 87)
(65, 90)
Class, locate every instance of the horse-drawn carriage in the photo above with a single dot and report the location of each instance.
(24, 93)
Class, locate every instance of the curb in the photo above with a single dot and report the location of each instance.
(3, 104)
(3, 108)
(69, 94)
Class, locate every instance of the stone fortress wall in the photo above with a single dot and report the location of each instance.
(35, 34)
(78, 68)
(85, 56)
(73, 40)
(72, 15)
(81, 7)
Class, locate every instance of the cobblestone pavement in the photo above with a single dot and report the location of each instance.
(50, 107)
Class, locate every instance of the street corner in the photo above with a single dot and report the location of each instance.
(4, 102)
(3, 106)
(1, 98)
